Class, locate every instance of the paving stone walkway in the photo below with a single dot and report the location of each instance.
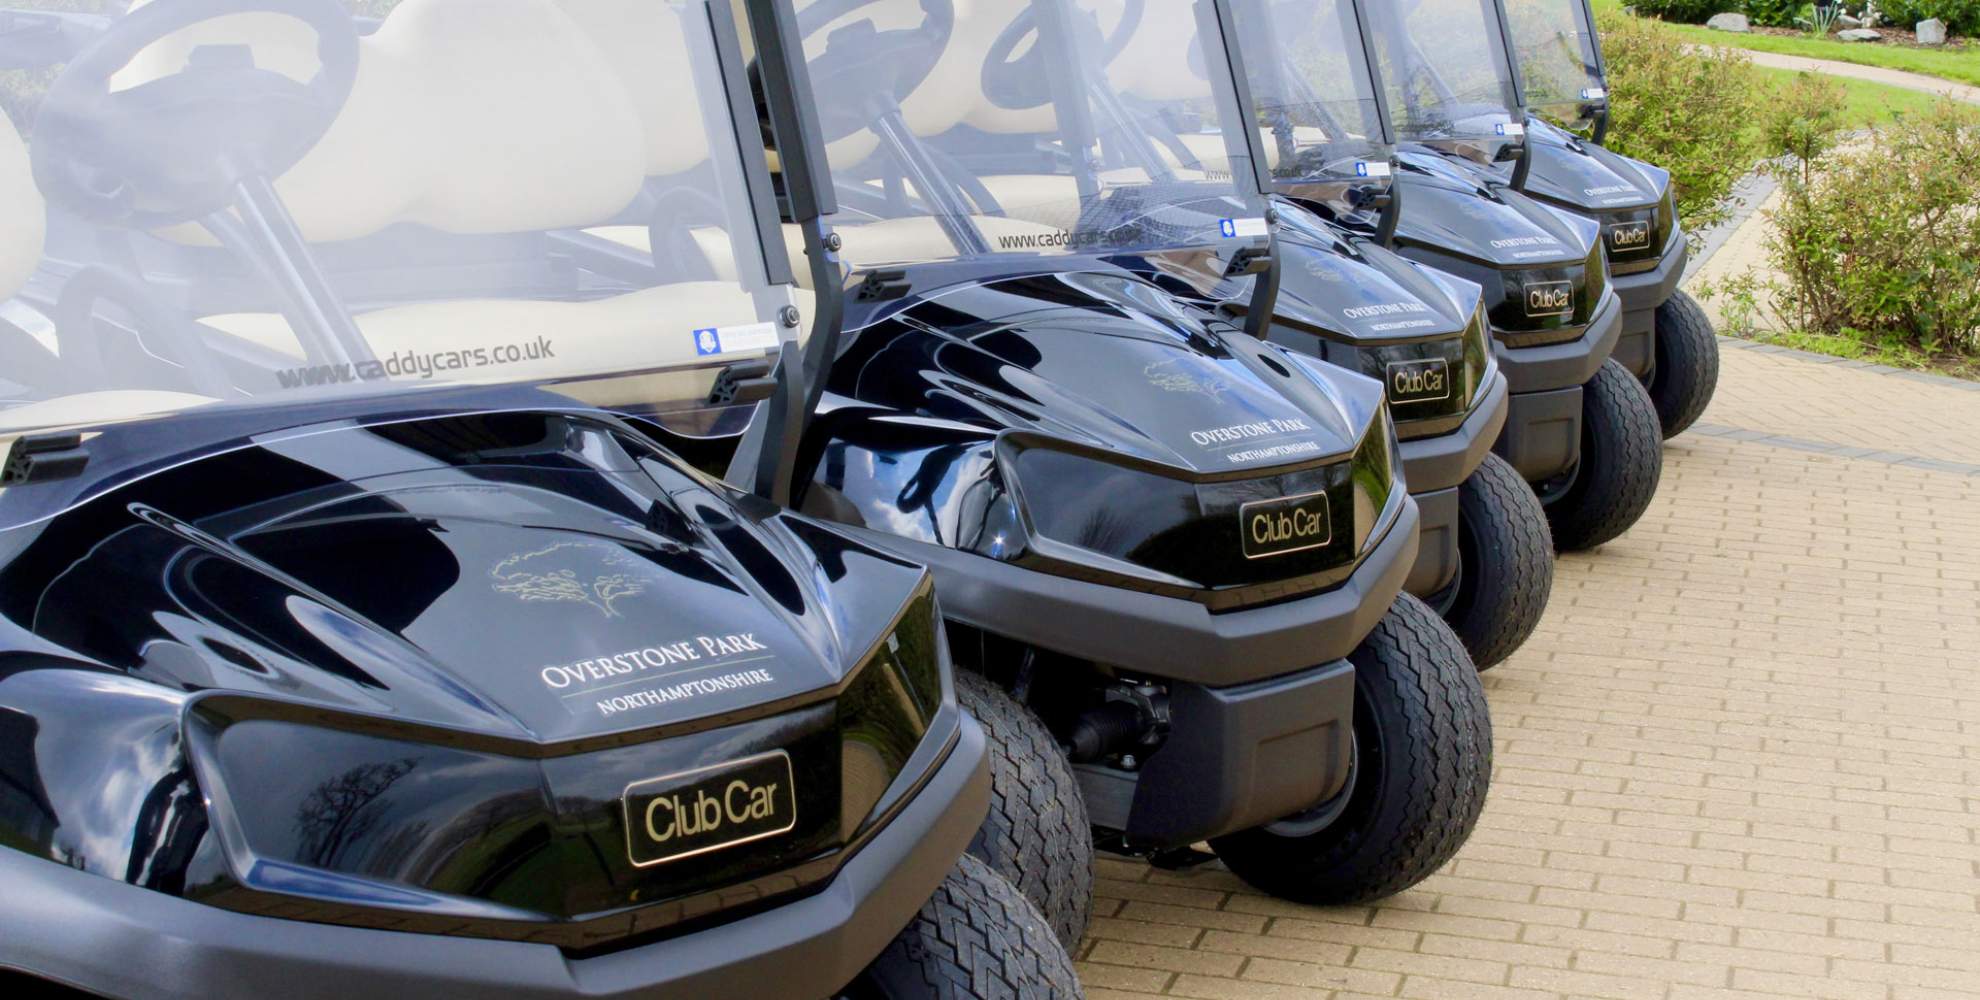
(1741, 758)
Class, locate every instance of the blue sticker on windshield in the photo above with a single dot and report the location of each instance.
(1248, 228)
(707, 341)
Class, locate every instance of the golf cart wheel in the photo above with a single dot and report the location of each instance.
(1036, 835)
(1507, 553)
(1622, 457)
(1423, 758)
(1687, 371)
(976, 937)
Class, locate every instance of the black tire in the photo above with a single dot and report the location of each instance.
(1687, 372)
(1506, 555)
(1423, 744)
(1622, 457)
(1037, 835)
(976, 937)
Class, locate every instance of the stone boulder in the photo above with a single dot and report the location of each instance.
(1729, 22)
(1860, 35)
(1932, 32)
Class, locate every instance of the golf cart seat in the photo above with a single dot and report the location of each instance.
(21, 247)
(21, 205)
(491, 118)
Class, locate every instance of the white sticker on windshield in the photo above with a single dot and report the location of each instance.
(1244, 228)
(733, 339)
(1512, 129)
(1371, 168)
(1594, 93)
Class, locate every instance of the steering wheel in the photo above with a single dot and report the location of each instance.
(862, 59)
(173, 150)
(1023, 83)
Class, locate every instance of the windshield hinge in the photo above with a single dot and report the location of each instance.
(749, 381)
(37, 458)
(883, 286)
(1251, 260)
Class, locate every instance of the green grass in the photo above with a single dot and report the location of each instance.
(1958, 64)
(1894, 355)
(1868, 104)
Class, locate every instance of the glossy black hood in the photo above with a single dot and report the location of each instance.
(1463, 211)
(1103, 360)
(358, 570)
(1090, 423)
(1585, 177)
(1358, 291)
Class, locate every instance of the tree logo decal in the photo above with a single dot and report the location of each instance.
(1169, 376)
(583, 572)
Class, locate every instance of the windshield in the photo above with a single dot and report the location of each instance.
(1028, 127)
(1559, 68)
(1444, 69)
(1312, 89)
(217, 203)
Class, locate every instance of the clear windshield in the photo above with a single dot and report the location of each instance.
(1027, 127)
(1312, 88)
(1555, 44)
(208, 203)
(1444, 68)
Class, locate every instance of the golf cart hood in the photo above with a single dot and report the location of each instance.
(1584, 177)
(1336, 286)
(1460, 211)
(1101, 360)
(507, 597)
(1087, 419)
(408, 669)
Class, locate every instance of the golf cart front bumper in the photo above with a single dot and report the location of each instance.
(1261, 698)
(1434, 467)
(1542, 436)
(114, 939)
(1642, 291)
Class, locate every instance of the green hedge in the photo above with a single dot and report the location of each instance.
(1685, 108)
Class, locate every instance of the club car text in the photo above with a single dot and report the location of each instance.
(698, 811)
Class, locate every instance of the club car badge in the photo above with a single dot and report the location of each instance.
(1288, 524)
(694, 812)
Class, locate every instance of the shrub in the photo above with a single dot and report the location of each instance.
(1685, 10)
(1685, 108)
(1961, 16)
(1879, 239)
(1775, 13)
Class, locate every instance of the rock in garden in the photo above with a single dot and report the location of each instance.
(1850, 21)
(1932, 32)
(1729, 22)
(1859, 35)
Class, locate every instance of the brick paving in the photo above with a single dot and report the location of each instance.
(1740, 759)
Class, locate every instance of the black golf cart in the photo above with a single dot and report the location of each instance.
(1582, 430)
(1170, 551)
(349, 643)
(1486, 560)
(1667, 338)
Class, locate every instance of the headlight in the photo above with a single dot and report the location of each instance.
(1597, 282)
(888, 707)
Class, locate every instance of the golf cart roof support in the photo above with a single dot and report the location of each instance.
(801, 156)
(1601, 67)
(1524, 166)
(1067, 75)
(1234, 89)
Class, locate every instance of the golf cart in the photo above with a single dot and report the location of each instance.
(349, 643)
(1170, 552)
(1486, 559)
(1667, 338)
(1582, 430)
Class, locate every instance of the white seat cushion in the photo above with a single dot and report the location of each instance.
(23, 217)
